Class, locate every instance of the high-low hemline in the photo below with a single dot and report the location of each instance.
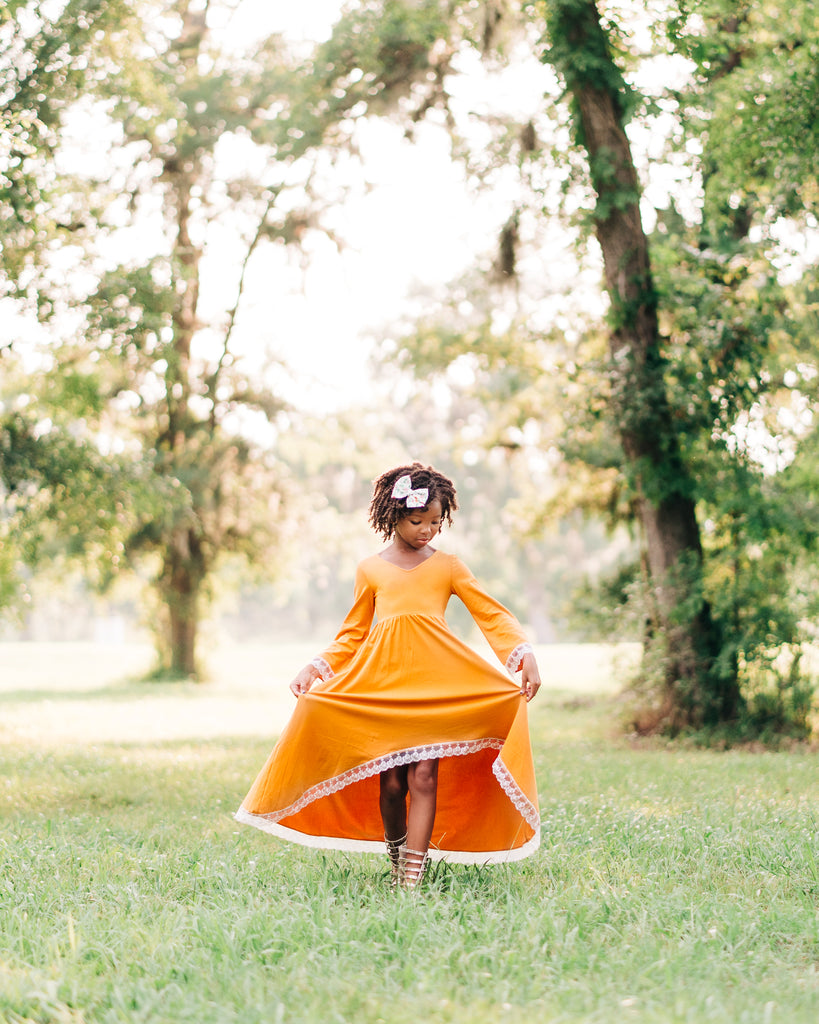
(398, 687)
(341, 845)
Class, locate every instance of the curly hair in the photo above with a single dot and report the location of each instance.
(386, 511)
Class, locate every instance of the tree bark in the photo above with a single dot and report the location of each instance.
(694, 692)
(183, 574)
(184, 564)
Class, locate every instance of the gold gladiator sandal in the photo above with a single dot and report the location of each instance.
(412, 865)
(393, 847)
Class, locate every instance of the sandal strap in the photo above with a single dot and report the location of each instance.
(394, 845)
(393, 852)
(411, 867)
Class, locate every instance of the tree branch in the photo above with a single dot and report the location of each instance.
(213, 380)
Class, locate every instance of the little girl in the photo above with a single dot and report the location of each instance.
(397, 706)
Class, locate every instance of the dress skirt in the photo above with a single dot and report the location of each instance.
(398, 686)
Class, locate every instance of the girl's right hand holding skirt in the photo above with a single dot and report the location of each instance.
(304, 680)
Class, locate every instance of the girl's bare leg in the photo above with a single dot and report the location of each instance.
(422, 781)
(393, 802)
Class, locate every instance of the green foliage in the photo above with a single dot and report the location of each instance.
(45, 66)
(755, 94)
(734, 336)
(382, 56)
(780, 697)
(390, 43)
(611, 605)
(736, 350)
(63, 498)
(741, 356)
(151, 393)
(130, 310)
(579, 45)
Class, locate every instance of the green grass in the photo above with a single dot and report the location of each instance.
(673, 885)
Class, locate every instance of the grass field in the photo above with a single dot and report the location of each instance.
(672, 885)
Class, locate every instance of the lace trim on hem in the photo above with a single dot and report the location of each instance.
(382, 764)
(523, 806)
(515, 659)
(324, 668)
(505, 779)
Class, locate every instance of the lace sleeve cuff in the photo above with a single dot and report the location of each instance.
(515, 660)
(324, 669)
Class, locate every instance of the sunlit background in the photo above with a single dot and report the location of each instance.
(256, 253)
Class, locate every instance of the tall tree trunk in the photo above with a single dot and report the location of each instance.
(694, 691)
(184, 566)
(183, 574)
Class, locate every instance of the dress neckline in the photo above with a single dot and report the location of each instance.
(413, 567)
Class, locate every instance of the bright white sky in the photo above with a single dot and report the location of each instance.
(418, 224)
(414, 226)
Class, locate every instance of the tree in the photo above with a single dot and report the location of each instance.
(739, 328)
(146, 371)
(696, 692)
(678, 389)
(704, 338)
(51, 480)
(43, 71)
(146, 363)
(662, 486)
(687, 372)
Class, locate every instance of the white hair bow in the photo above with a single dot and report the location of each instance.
(403, 489)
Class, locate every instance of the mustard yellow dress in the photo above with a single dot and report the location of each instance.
(398, 686)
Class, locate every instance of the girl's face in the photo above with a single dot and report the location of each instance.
(419, 526)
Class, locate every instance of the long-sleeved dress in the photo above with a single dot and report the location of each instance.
(398, 686)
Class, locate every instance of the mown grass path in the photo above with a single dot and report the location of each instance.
(673, 885)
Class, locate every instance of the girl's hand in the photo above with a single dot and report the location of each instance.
(304, 680)
(529, 677)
